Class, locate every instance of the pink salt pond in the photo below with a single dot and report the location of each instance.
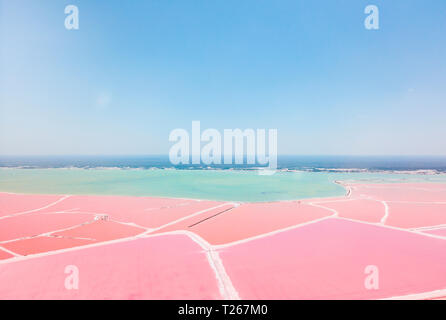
(101, 231)
(165, 267)
(11, 204)
(357, 209)
(159, 248)
(42, 244)
(328, 260)
(254, 219)
(416, 215)
(4, 254)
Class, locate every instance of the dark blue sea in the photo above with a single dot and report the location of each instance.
(307, 163)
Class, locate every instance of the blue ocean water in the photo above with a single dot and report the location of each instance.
(305, 163)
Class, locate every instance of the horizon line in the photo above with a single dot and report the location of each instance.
(167, 155)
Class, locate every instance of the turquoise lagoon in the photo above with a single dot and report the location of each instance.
(227, 185)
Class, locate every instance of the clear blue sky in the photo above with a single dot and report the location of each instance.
(135, 70)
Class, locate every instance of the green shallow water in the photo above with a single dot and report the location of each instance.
(224, 185)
